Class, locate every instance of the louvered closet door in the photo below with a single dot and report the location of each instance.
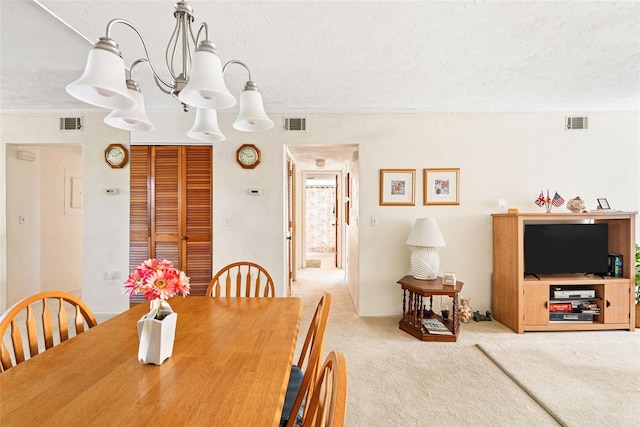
(197, 235)
(171, 196)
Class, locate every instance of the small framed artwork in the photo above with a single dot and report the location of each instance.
(397, 187)
(603, 204)
(442, 186)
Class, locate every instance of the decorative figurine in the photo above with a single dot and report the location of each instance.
(577, 205)
(466, 312)
(481, 317)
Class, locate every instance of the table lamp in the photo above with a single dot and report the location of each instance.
(425, 237)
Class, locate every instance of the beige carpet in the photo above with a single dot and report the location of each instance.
(587, 378)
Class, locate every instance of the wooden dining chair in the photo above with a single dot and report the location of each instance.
(327, 404)
(241, 279)
(300, 384)
(24, 323)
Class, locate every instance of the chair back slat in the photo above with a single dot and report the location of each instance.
(23, 313)
(16, 341)
(79, 321)
(32, 333)
(5, 357)
(47, 330)
(327, 405)
(62, 317)
(243, 275)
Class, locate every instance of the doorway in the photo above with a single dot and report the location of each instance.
(44, 214)
(321, 219)
(326, 166)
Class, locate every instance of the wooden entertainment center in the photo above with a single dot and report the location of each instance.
(522, 303)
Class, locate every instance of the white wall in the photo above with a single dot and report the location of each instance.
(105, 230)
(46, 248)
(60, 224)
(511, 156)
(23, 200)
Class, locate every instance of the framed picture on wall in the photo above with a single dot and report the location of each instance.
(397, 187)
(442, 186)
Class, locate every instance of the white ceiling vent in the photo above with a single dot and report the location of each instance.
(575, 123)
(295, 124)
(71, 123)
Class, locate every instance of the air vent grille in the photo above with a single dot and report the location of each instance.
(70, 123)
(295, 124)
(574, 123)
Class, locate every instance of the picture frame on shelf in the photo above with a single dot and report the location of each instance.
(397, 187)
(603, 204)
(441, 186)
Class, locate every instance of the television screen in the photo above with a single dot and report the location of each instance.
(565, 248)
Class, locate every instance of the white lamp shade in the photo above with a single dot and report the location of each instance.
(425, 232)
(103, 82)
(205, 128)
(252, 117)
(132, 118)
(206, 87)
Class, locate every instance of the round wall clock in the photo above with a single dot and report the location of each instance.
(248, 156)
(116, 155)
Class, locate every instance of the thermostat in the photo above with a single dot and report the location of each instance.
(255, 191)
(111, 191)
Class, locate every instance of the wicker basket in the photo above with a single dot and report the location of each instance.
(637, 315)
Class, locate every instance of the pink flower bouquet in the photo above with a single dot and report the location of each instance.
(158, 281)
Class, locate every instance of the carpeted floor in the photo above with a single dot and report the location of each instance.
(490, 377)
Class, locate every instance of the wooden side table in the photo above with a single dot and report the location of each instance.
(414, 291)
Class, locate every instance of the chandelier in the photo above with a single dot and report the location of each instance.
(196, 81)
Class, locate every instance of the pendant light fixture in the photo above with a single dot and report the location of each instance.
(197, 80)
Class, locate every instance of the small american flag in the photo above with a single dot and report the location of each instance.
(541, 200)
(557, 200)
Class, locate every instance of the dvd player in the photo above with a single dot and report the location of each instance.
(574, 293)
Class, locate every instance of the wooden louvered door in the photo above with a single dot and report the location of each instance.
(171, 209)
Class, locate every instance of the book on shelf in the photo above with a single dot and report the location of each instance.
(571, 317)
(436, 327)
(561, 307)
(574, 307)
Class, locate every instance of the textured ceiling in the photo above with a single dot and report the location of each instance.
(347, 56)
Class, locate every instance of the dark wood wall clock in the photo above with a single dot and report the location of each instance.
(116, 155)
(248, 156)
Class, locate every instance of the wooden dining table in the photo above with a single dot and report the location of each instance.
(230, 367)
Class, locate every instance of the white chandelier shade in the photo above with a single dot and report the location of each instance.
(252, 117)
(197, 80)
(133, 118)
(103, 82)
(206, 87)
(205, 127)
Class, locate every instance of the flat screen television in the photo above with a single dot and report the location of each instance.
(565, 248)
